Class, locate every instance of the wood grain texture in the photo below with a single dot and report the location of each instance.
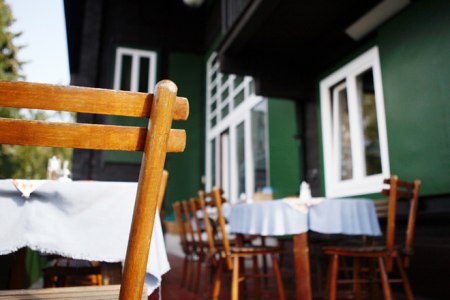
(162, 188)
(147, 194)
(83, 100)
(155, 141)
(73, 135)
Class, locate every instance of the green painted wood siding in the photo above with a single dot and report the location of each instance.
(415, 65)
(284, 154)
(186, 169)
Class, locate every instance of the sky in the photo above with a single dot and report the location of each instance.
(42, 24)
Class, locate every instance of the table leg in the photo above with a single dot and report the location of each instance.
(302, 268)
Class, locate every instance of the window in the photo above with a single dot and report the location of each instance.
(135, 70)
(237, 143)
(354, 128)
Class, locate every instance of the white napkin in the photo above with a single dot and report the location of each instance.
(302, 205)
(27, 186)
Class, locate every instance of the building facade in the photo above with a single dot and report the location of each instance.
(337, 94)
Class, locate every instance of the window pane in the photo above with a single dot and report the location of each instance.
(125, 75)
(259, 144)
(213, 91)
(240, 147)
(213, 106)
(225, 111)
(224, 94)
(344, 136)
(237, 81)
(144, 66)
(366, 95)
(239, 98)
(224, 78)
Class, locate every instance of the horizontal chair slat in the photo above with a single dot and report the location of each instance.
(400, 194)
(406, 184)
(84, 100)
(72, 135)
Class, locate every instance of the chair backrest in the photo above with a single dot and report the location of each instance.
(181, 226)
(215, 199)
(196, 212)
(401, 190)
(188, 220)
(155, 141)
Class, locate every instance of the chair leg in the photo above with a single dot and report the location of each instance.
(405, 280)
(356, 278)
(384, 279)
(334, 265)
(207, 265)
(277, 272)
(184, 271)
(197, 274)
(217, 280)
(264, 261)
(257, 278)
(191, 272)
(235, 279)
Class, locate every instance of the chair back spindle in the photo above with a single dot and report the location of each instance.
(155, 141)
(401, 190)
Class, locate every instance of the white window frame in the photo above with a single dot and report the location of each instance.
(236, 115)
(135, 54)
(360, 183)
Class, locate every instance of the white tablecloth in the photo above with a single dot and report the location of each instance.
(331, 216)
(81, 219)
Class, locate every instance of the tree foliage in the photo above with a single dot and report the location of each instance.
(9, 64)
(20, 161)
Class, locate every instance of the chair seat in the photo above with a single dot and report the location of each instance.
(255, 250)
(363, 251)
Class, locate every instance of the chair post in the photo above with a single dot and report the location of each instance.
(147, 195)
(411, 222)
(392, 211)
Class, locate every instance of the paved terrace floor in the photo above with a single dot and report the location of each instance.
(429, 272)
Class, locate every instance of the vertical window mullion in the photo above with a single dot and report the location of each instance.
(152, 72)
(249, 182)
(233, 163)
(357, 141)
(118, 70)
(209, 155)
(134, 73)
(336, 136)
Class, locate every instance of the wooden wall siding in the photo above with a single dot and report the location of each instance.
(415, 70)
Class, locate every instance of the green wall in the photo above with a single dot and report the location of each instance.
(285, 165)
(415, 65)
(186, 169)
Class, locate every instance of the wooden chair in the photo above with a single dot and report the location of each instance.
(185, 241)
(385, 254)
(155, 141)
(201, 249)
(162, 190)
(225, 253)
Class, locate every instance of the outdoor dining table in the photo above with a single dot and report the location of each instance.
(87, 220)
(292, 217)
